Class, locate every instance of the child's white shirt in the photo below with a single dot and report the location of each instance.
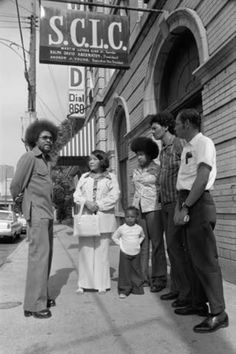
(129, 238)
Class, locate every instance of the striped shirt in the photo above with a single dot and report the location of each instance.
(170, 158)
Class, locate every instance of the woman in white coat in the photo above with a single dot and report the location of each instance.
(99, 191)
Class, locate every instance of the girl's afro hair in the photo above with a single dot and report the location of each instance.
(34, 130)
(146, 145)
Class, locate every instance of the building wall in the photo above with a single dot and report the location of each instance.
(217, 74)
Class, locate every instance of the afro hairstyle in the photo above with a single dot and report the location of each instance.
(146, 145)
(35, 129)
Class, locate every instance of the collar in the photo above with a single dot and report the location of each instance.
(170, 142)
(37, 152)
(91, 174)
(152, 164)
(195, 138)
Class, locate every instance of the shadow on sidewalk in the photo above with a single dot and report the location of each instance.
(58, 280)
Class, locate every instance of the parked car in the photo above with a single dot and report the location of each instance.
(9, 225)
(23, 222)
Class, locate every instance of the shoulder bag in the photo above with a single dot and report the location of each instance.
(86, 225)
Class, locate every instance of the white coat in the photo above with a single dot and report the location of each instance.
(106, 197)
(93, 265)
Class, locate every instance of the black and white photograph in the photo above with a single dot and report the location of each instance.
(117, 176)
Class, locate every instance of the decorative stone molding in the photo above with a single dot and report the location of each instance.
(188, 18)
(119, 106)
(119, 102)
(170, 26)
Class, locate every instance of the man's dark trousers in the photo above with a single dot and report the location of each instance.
(204, 270)
(176, 252)
(39, 263)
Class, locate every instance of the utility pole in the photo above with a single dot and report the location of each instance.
(30, 114)
(32, 65)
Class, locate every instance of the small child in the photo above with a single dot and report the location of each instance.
(129, 236)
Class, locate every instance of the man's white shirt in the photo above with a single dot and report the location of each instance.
(200, 149)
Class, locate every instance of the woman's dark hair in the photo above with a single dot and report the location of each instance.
(165, 119)
(103, 158)
(36, 128)
(192, 116)
(146, 145)
(131, 208)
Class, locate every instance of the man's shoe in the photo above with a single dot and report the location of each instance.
(169, 296)
(27, 313)
(39, 314)
(122, 296)
(146, 283)
(51, 303)
(157, 288)
(190, 310)
(42, 314)
(180, 303)
(212, 323)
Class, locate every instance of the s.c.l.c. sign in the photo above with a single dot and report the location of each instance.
(84, 38)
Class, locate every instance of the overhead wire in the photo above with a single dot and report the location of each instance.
(2, 42)
(45, 104)
(11, 44)
(13, 27)
(22, 20)
(4, 14)
(22, 43)
(42, 108)
(13, 1)
(13, 21)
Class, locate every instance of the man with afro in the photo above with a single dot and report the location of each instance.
(32, 183)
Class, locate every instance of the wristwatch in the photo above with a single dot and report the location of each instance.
(185, 206)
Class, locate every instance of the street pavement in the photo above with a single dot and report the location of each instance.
(94, 323)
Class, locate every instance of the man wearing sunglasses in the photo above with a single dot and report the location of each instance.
(33, 185)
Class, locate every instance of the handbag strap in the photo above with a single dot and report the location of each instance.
(81, 209)
(94, 197)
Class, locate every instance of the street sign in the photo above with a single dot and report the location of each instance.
(71, 37)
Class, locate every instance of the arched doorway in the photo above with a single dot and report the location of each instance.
(179, 88)
(118, 146)
(181, 42)
(122, 154)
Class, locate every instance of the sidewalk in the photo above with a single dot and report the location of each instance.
(99, 324)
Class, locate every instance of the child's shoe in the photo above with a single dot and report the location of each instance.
(122, 296)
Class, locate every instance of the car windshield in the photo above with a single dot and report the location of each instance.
(5, 216)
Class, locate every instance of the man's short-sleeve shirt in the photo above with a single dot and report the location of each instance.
(199, 150)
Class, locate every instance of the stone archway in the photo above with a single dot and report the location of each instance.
(118, 147)
(171, 26)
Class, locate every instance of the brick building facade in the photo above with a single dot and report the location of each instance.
(183, 56)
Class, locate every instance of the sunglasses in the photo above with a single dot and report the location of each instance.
(46, 137)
